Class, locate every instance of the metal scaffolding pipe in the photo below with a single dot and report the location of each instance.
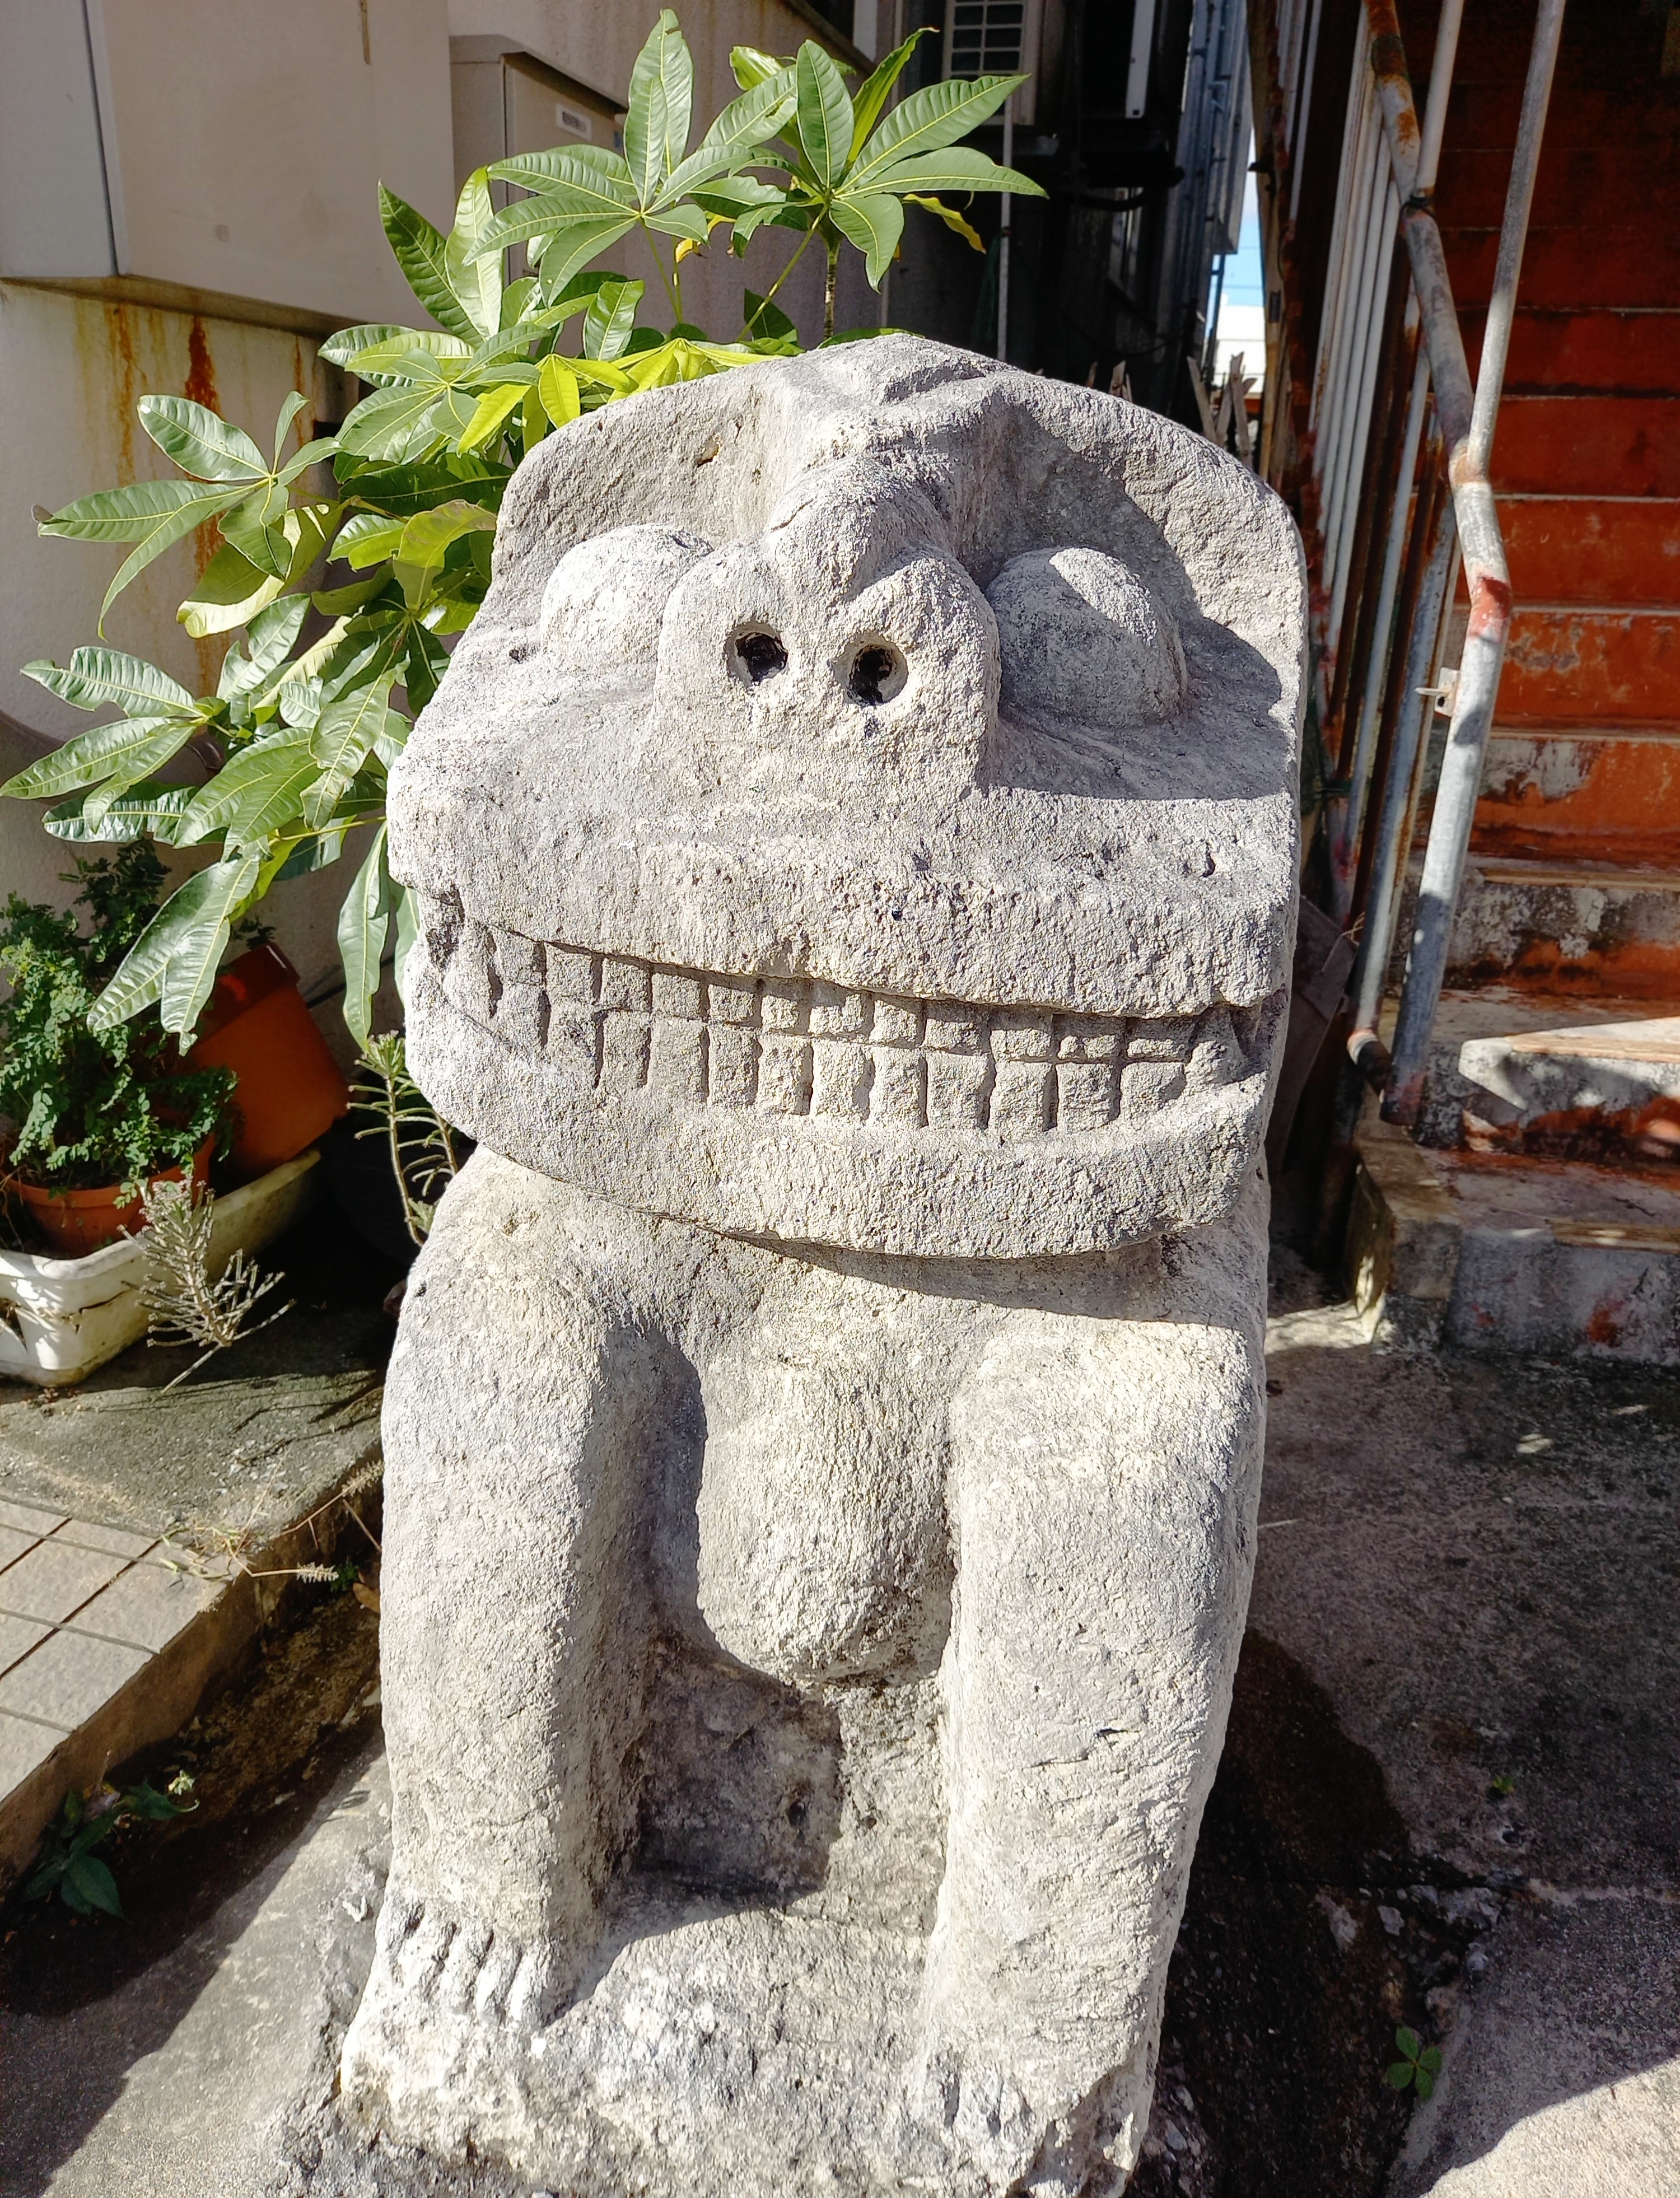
(1345, 849)
(1399, 793)
(1466, 418)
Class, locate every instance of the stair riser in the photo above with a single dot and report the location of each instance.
(1570, 268)
(1587, 186)
(1619, 939)
(1588, 446)
(1564, 549)
(1527, 1292)
(1599, 350)
(1630, 112)
(1603, 664)
(1580, 799)
(1420, 1276)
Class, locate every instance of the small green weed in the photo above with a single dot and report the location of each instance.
(1501, 1787)
(1420, 2066)
(71, 1869)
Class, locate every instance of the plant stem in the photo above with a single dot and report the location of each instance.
(829, 288)
(747, 326)
(675, 293)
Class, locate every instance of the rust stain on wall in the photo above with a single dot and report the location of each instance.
(200, 385)
(120, 325)
(200, 388)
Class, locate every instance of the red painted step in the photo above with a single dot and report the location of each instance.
(1588, 446)
(1596, 186)
(1601, 662)
(1636, 109)
(1583, 794)
(1619, 265)
(1592, 550)
(1597, 351)
(1568, 927)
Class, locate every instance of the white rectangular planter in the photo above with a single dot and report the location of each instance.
(60, 1318)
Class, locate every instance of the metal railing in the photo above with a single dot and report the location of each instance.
(1398, 442)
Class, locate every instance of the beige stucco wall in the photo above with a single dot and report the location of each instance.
(73, 369)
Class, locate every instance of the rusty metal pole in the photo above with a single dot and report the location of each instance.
(1346, 852)
(1467, 423)
(1383, 902)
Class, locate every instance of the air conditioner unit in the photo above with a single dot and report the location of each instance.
(996, 38)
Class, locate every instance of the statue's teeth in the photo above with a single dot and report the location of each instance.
(732, 1065)
(471, 980)
(1023, 1099)
(784, 1075)
(1216, 1059)
(840, 1079)
(625, 985)
(794, 1046)
(1161, 1037)
(837, 1012)
(898, 1085)
(1087, 1094)
(573, 976)
(1147, 1087)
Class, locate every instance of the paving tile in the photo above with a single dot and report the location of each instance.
(115, 1541)
(27, 1518)
(17, 1636)
(146, 1605)
(23, 1744)
(54, 1580)
(13, 1544)
(68, 1678)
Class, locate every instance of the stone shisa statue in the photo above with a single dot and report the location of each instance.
(857, 847)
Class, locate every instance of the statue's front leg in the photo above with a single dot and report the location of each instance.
(515, 1622)
(1105, 1481)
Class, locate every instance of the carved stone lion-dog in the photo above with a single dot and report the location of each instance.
(856, 848)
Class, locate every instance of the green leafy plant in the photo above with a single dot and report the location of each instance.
(1418, 2066)
(851, 168)
(314, 702)
(424, 1156)
(846, 168)
(95, 1102)
(67, 1864)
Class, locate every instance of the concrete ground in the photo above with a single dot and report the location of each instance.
(1449, 1798)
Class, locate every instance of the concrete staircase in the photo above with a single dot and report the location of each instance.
(1540, 1206)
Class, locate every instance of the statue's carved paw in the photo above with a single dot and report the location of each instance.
(461, 1966)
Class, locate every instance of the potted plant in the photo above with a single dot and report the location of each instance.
(288, 1089)
(98, 1114)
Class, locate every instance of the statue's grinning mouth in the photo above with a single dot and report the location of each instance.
(794, 1046)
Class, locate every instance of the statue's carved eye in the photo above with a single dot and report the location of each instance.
(756, 657)
(877, 673)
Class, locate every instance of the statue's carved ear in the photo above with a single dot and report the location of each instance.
(604, 601)
(1082, 637)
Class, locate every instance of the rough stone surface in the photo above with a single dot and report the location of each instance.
(856, 848)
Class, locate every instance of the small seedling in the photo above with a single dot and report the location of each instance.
(1420, 2066)
(1501, 1787)
(71, 1869)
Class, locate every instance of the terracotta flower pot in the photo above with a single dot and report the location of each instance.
(78, 1222)
(290, 1088)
